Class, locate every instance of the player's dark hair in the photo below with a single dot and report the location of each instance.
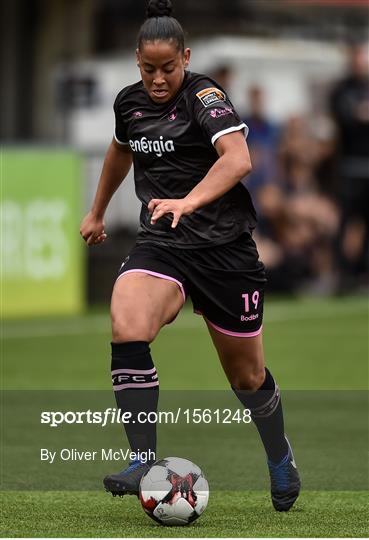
(160, 25)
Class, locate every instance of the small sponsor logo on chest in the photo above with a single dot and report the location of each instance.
(152, 146)
(172, 115)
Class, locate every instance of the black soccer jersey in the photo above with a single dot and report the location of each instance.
(173, 149)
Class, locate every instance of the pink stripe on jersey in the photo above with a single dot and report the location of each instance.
(235, 334)
(156, 274)
(134, 371)
(135, 385)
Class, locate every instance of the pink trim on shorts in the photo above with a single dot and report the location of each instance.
(134, 371)
(155, 274)
(135, 385)
(234, 334)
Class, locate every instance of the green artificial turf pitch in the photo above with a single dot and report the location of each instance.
(309, 344)
(229, 514)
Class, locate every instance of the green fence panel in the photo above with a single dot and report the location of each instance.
(41, 250)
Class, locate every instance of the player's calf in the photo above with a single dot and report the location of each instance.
(136, 389)
(267, 414)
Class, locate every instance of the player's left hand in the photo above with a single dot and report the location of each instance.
(178, 207)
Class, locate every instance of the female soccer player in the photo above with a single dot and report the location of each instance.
(188, 148)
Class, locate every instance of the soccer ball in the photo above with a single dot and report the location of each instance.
(174, 491)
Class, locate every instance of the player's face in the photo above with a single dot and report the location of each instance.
(162, 68)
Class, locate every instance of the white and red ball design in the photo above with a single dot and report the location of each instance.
(174, 491)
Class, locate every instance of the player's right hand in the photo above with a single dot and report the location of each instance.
(92, 229)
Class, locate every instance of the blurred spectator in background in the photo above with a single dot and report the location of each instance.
(263, 132)
(263, 184)
(349, 104)
(323, 132)
(222, 74)
(311, 218)
(262, 141)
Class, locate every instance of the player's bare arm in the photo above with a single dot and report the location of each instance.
(117, 163)
(233, 164)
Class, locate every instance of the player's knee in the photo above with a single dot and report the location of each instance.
(250, 380)
(132, 329)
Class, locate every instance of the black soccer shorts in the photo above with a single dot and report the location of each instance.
(225, 283)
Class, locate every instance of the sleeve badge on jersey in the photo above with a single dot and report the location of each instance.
(218, 113)
(211, 95)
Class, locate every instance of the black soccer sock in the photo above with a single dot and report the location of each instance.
(136, 389)
(266, 412)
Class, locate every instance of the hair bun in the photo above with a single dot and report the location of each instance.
(159, 8)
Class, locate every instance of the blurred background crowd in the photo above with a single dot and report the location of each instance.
(297, 72)
(310, 182)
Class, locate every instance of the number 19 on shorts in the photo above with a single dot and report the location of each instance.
(250, 304)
